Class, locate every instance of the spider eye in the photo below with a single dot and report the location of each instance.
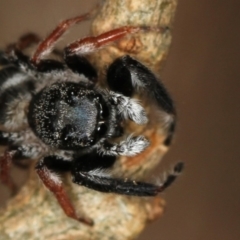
(104, 111)
(102, 129)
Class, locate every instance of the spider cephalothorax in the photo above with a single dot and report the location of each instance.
(69, 116)
(57, 113)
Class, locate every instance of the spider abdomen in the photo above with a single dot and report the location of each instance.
(15, 93)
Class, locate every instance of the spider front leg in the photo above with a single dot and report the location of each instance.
(126, 76)
(53, 182)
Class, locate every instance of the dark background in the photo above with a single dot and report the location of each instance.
(202, 73)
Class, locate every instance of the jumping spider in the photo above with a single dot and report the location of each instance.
(54, 111)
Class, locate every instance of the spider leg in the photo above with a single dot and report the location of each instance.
(81, 66)
(125, 75)
(53, 182)
(5, 165)
(128, 71)
(6, 161)
(3, 58)
(32, 150)
(90, 161)
(100, 181)
(90, 44)
(14, 153)
(131, 146)
(128, 108)
(47, 45)
(28, 40)
(22, 61)
(24, 42)
(73, 53)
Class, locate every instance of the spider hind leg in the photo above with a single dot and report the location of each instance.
(5, 165)
(53, 183)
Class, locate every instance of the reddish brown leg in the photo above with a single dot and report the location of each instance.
(5, 165)
(24, 42)
(54, 184)
(90, 44)
(46, 45)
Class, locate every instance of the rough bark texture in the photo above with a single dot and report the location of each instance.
(35, 214)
